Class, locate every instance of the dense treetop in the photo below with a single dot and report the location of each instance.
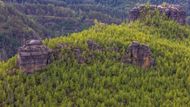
(105, 80)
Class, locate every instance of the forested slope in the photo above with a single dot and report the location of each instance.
(51, 18)
(15, 29)
(46, 19)
(104, 80)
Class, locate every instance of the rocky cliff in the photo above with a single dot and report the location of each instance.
(174, 12)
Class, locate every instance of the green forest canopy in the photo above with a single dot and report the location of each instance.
(105, 80)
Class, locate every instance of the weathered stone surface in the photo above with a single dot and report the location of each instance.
(174, 12)
(139, 55)
(92, 45)
(33, 56)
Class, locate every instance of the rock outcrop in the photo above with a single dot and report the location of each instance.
(174, 12)
(92, 45)
(139, 55)
(33, 56)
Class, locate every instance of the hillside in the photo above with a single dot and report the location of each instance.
(126, 5)
(104, 80)
(15, 29)
(46, 19)
(52, 18)
(64, 17)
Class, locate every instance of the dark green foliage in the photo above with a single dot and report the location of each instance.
(15, 29)
(28, 19)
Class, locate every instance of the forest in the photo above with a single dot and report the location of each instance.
(47, 19)
(105, 81)
(51, 18)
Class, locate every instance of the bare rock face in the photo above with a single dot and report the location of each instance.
(139, 55)
(33, 56)
(174, 12)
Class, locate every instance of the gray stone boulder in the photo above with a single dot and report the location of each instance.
(33, 56)
(139, 55)
(174, 12)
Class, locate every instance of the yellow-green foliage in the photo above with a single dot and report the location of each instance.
(105, 81)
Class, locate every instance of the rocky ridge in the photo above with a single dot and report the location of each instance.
(35, 56)
(174, 12)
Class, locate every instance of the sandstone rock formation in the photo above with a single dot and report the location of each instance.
(174, 12)
(92, 45)
(139, 55)
(33, 56)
